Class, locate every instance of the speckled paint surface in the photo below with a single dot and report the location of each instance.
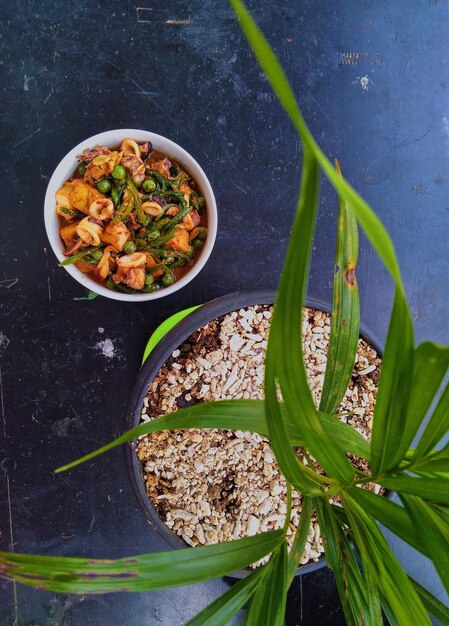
(373, 83)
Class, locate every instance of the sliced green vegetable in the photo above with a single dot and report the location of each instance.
(79, 255)
(141, 217)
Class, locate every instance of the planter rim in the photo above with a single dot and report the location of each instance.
(183, 329)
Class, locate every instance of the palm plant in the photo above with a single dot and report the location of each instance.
(371, 583)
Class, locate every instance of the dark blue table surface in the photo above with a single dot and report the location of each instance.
(372, 79)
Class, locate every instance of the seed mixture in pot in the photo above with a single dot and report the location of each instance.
(212, 485)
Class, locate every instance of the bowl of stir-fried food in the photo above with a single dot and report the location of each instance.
(131, 215)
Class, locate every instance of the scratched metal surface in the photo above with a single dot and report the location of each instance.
(372, 79)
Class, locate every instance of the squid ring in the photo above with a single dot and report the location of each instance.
(136, 259)
(102, 209)
(129, 146)
(152, 208)
(89, 232)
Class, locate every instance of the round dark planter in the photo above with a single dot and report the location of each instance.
(171, 341)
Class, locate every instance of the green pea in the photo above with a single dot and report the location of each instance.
(110, 284)
(202, 233)
(190, 252)
(151, 288)
(149, 185)
(81, 168)
(154, 234)
(119, 172)
(141, 243)
(97, 255)
(129, 247)
(149, 279)
(201, 202)
(197, 243)
(168, 279)
(104, 185)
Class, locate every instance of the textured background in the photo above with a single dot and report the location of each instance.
(373, 82)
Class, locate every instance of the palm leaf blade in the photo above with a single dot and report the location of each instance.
(138, 573)
(432, 604)
(434, 532)
(437, 427)
(247, 415)
(345, 322)
(299, 542)
(268, 605)
(219, 612)
(390, 413)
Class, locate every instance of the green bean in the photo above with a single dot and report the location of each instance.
(110, 284)
(141, 217)
(157, 225)
(90, 260)
(161, 252)
(153, 235)
(177, 195)
(181, 215)
(161, 180)
(97, 255)
(140, 243)
(67, 211)
(169, 235)
(165, 182)
(125, 209)
(81, 169)
(117, 191)
(149, 279)
(79, 255)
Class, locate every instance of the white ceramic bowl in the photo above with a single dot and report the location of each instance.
(110, 139)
